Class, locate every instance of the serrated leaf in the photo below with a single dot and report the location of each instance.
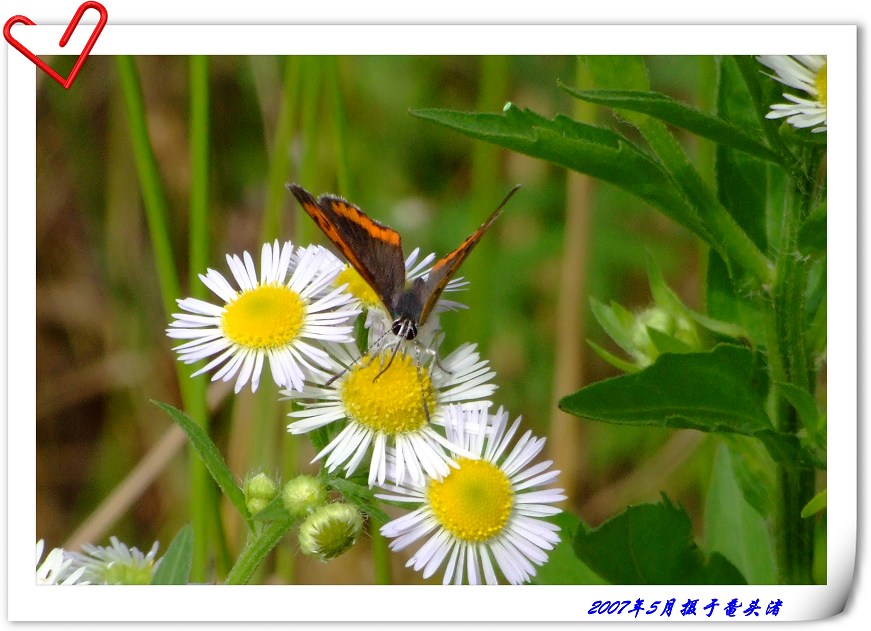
(734, 528)
(651, 544)
(598, 152)
(211, 457)
(563, 567)
(175, 566)
(714, 391)
(678, 114)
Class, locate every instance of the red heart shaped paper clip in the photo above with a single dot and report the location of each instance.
(68, 81)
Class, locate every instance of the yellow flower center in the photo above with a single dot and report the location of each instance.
(358, 287)
(473, 502)
(269, 316)
(821, 83)
(394, 402)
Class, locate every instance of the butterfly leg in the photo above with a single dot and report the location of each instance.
(390, 361)
(433, 353)
(422, 392)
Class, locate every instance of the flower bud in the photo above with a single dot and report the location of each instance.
(303, 494)
(330, 530)
(259, 491)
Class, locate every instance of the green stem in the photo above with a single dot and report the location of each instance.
(157, 213)
(203, 499)
(381, 557)
(726, 236)
(788, 362)
(259, 544)
(154, 200)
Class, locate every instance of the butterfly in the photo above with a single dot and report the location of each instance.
(375, 252)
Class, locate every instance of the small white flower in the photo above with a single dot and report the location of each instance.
(273, 317)
(378, 320)
(485, 515)
(115, 565)
(809, 74)
(55, 567)
(397, 406)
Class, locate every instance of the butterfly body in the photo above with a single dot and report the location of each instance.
(375, 252)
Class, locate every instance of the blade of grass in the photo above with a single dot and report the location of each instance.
(156, 212)
(279, 160)
(340, 126)
(485, 193)
(203, 500)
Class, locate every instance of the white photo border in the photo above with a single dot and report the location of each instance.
(27, 601)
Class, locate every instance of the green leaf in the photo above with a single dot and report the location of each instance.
(734, 528)
(710, 391)
(802, 136)
(818, 502)
(274, 510)
(666, 343)
(680, 115)
(755, 471)
(175, 566)
(803, 402)
(668, 300)
(742, 178)
(613, 321)
(619, 364)
(598, 152)
(360, 496)
(812, 237)
(726, 303)
(562, 566)
(211, 457)
(716, 391)
(651, 544)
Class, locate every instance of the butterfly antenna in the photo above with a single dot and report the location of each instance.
(504, 201)
(356, 360)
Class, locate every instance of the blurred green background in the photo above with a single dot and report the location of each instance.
(343, 126)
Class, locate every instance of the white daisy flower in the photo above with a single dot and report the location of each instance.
(486, 515)
(807, 73)
(391, 400)
(115, 565)
(273, 317)
(378, 320)
(54, 567)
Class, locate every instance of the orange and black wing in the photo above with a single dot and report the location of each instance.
(447, 266)
(373, 249)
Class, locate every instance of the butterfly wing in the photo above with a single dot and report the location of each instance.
(373, 249)
(441, 273)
